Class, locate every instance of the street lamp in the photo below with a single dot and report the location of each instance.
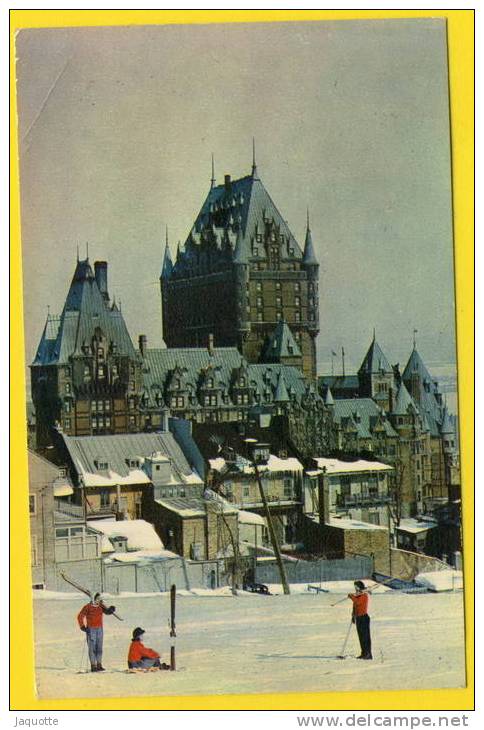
(260, 454)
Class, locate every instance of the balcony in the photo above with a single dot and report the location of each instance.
(362, 500)
(66, 508)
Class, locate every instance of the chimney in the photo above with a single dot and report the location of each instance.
(227, 183)
(142, 344)
(101, 274)
(210, 345)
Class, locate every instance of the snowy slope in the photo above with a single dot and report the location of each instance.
(274, 643)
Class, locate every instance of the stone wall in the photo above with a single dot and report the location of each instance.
(406, 565)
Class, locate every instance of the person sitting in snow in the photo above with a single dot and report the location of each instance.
(90, 620)
(361, 619)
(142, 658)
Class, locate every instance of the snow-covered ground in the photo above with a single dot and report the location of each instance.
(256, 644)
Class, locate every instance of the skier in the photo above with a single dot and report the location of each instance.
(90, 619)
(361, 619)
(142, 658)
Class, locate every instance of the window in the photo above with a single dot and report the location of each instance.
(210, 383)
(87, 371)
(288, 487)
(67, 406)
(259, 317)
(297, 286)
(258, 238)
(67, 372)
(100, 353)
(297, 301)
(132, 421)
(114, 371)
(107, 422)
(246, 490)
(94, 423)
(68, 387)
(255, 251)
(213, 400)
(278, 316)
(104, 497)
(297, 316)
(67, 423)
(278, 301)
(32, 504)
(311, 301)
(33, 550)
(259, 302)
(101, 371)
(101, 465)
(278, 286)
(258, 286)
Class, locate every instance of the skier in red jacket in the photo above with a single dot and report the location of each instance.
(361, 619)
(141, 657)
(90, 620)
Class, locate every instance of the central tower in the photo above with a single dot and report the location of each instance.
(239, 274)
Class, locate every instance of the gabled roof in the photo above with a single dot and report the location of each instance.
(375, 361)
(87, 452)
(84, 311)
(364, 413)
(404, 402)
(281, 343)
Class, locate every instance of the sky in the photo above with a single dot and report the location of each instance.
(351, 119)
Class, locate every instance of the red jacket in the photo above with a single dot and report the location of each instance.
(360, 603)
(93, 616)
(137, 651)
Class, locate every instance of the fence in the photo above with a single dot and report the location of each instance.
(317, 571)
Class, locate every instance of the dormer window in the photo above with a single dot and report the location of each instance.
(101, 465)
(255, 251)
(258, 238)
(101, 371)
(100, 353)
(210, 383)
(133, 463)
(242, 382)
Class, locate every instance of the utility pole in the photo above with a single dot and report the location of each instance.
(275, 544)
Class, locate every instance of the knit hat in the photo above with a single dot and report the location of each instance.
(137, 633)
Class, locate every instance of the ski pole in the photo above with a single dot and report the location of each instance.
(342, 655)
(367, 590)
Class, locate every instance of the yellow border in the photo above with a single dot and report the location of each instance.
(461, 61)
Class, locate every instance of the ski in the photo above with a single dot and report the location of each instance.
(85, 591)
(172, 627)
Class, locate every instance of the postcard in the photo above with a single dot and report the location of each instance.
(241, 406)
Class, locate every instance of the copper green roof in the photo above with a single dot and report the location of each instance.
(404, 403)
(85, 310)
(364, 414)
(281, 343)
(375, 361)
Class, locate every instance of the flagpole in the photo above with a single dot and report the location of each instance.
(343, 359)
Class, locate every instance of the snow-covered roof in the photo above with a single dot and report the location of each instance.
(347, 524)
(250, 518)
(140, 534)
(109, 460)
(414, 526)
(194, 507)
(144, 555)
(335, 466)
(274, 464)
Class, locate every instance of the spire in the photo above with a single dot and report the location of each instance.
(167, 266)
(212, 181)
(254, 164)
(281, 395)
(415, 339)
(328, 398)
(241, 253)
(374, 334)
(309, 256)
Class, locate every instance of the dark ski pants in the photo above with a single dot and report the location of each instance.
(145, 663)
(94, 639)
(363, 629)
